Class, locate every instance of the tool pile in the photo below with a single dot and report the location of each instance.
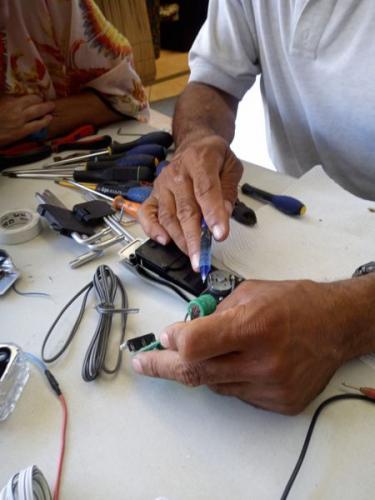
(131, 161)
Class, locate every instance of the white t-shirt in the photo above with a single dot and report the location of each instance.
(317, 64)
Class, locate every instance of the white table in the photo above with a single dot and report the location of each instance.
(138, 438)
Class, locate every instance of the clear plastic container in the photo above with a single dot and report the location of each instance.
(14, 373)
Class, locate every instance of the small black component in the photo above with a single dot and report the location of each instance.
(364, 269)
(63, 221)
(137, 343)
(92, 212)
(244, 214)
(53, 383)
(169, 263)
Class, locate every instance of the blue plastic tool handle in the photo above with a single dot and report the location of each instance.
(154, 150)
(161, 166)
(138, 194)
(287, 204)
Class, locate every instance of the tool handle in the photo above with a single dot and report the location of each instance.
(162, 138)
(7, 161)
(99, 142)
(124, 162)
(256, 192)
(131, 192)
(78, 133)
(288, 205)
(285, 204)
(130, 207)
(161, 166)
(115, 174)
(155, 150)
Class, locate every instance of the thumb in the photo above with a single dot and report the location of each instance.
(204, 338)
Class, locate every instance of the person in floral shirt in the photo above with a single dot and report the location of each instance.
(62, 65)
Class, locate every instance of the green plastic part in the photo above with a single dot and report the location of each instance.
(152, 347)
(204, 305)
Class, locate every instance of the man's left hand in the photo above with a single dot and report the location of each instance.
(272, 344)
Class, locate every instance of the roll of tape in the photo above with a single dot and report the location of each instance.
(17, 226)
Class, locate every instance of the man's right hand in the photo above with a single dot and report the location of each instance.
(201, 180)
(21, 116)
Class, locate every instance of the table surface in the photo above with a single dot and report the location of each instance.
(131, 437)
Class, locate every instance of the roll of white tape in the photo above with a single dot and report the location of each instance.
(17, 226)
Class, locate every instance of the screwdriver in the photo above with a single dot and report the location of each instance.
(119, 203)
(123, 161)
(25, 152)
(130, 190)
(285, 204)
(137, 173)
(154, 150)
(161, 138)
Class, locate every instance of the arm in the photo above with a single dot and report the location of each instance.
(203, 176)
(272, 344)
(203, 110)
(80, 109)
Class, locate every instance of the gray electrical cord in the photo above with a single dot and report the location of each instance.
(106, 285)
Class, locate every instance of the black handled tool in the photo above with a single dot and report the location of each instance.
(115, 174)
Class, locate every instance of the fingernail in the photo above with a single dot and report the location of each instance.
(228, 207)
(137, 365)
(218, 231)
(195, 262)
(161, 239)
(164, 340)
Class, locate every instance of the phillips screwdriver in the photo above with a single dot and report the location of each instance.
(161, 138)
(285, 204)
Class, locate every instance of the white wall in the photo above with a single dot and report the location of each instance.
(250, 139)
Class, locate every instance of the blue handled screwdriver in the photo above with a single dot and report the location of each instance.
(285, 204)
(205, 251)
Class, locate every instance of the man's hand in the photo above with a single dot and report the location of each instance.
(272, 344)
(201, 179)
(21, 116)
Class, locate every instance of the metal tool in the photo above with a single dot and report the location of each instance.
(285, 204)
(160, 138)
(113, 233)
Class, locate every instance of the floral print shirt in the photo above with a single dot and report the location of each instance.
(56, 48)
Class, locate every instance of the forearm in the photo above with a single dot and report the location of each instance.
(354, 315)
(80, 109)
(203, 110)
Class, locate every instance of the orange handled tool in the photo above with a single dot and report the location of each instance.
(129, 207)
(118, 203)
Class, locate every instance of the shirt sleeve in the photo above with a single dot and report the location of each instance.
(97, 56)
(225, 53)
